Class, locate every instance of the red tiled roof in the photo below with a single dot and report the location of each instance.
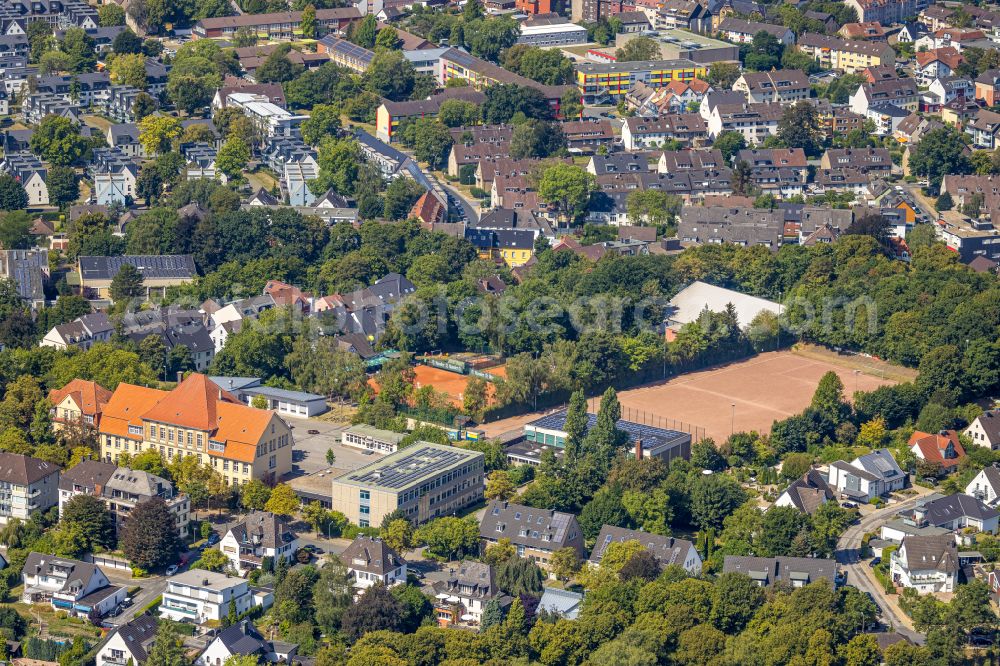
(934, 447)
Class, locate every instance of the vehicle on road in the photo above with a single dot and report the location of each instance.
(172, 569)
(875, 562)
(213, 539)
(313, 432)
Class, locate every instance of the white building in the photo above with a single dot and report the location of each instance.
(926, 563)
(985, 486)
(82, 332)
(370, 561)
(243, 639)
(369, 438)
(130, 642)
(259, 535)
(68, 585)
(30, 485)
(198, 596)
(985, 430)
(872, 475)
(270, 119)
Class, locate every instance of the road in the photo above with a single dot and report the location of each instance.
(857, 570)
(149, 589)
(922, 203)
(467, 206)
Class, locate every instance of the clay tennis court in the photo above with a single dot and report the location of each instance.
(765, 388)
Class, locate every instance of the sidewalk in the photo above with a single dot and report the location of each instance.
(891, 599)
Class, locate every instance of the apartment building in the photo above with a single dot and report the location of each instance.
(613, 80)
(786, 86)
(887, 12)
(689, 129)
(277, 25)
(755, 122)
(423, 481)
(667, 550)
(122, 489)
(27, 486)
(29, 171)
(389, 114)
(197, 418)
(480, 74)
(534, 533)
(846, 56)
(345, 53)
(199, 596)
(742, 32)
(158, 273)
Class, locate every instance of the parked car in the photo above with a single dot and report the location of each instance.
(875, 562)
(849, 505)
(127, 602)
(313, 432)
(172, 569)
(213, 539)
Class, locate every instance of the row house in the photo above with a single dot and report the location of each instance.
(82, 333)
(886, 11)
(535, 533)
(174, 326)
(691, 184)
(898, 92)
(31, 173)
(119, 103)
(114, 175)
(785, 86)
(390, 114)
(689, 129)
(473, 144)
(873, 161)
(846, 56)
(755, 122)
(842, 180)
(675, 97)
(702, 225)
(200, 162)
(587, 136)
(38, 105)
(886, 118)
(86, 89)
(779, 171)
(742, 32)
(277, 25)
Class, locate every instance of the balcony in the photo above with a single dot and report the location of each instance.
(193, 612)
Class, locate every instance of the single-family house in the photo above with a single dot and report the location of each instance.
(926, 563)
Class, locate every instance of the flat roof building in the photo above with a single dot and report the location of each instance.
(371, 438)
(654, 442)
(424, 481)
(557, 34)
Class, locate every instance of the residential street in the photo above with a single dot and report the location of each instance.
(859, 573)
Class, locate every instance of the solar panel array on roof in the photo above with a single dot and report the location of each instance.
(414, 465)
(650, 435)
(151, 266)
(351, 50)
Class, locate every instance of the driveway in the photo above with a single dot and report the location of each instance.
(149, 589)
(859, 573)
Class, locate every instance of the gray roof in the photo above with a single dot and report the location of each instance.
(809, 492)
(769, 570)
(139, 635)
(990, 423)
(179, 266)
(87, 475)
(880, 463)
(138, 483)
(563, 602)
(242, 638)
(543, 529)
(475, 580)
(22, 470)
(931, 552)
(666, 549)
(371, 555)
(947, 509)
(264, 528)
(78, 574)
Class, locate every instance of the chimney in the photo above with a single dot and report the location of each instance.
(638, 449)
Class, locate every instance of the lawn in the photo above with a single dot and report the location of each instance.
(57, 624)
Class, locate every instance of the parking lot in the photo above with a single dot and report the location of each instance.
(310, 471)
